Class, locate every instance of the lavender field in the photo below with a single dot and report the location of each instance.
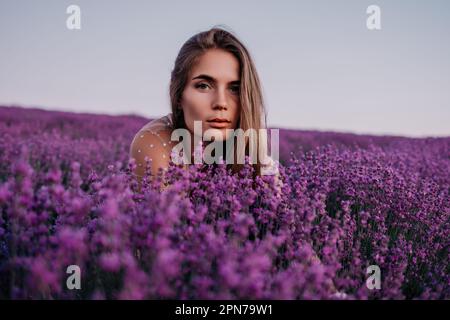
(68, 197)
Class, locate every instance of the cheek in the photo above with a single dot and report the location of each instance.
(236, 116)
(194, 103)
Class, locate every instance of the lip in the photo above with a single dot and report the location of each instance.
(219, 120)
(218, 125)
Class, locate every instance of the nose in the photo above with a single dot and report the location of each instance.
(220, 101)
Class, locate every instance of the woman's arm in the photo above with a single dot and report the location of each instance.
(151, 145)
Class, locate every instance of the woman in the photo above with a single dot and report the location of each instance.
(214, 81)
(214, 78)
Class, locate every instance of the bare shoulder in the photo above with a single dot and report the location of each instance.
(154, 145)
(161, 124)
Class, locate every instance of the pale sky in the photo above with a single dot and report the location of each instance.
(321, 68)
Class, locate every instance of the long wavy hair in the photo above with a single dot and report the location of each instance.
(252, 110)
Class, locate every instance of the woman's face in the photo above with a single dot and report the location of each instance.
(212, 92)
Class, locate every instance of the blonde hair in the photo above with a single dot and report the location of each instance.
(252, 112)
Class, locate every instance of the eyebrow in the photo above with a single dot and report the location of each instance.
(211, 79)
